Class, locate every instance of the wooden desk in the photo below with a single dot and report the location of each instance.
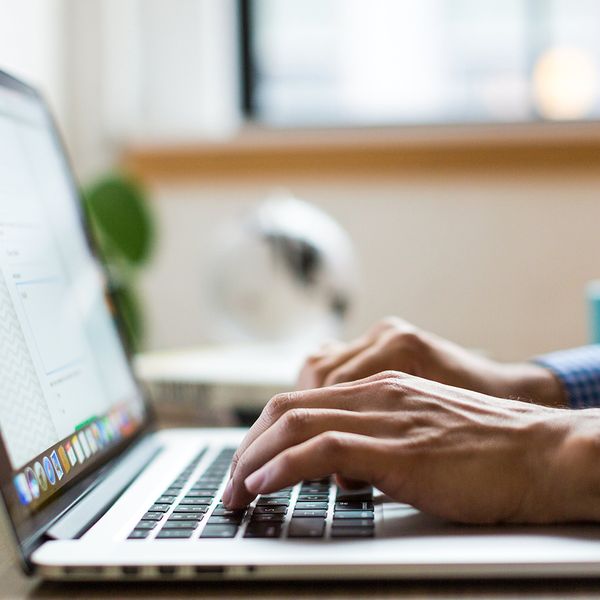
(13, 584)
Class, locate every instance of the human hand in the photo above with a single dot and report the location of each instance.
(453, 453)
(395, 344)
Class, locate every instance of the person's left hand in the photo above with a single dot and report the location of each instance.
(453, 453)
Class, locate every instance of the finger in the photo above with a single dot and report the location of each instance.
(350, 455)
(300, 425)
(329, 346)
(325, 349)
(372, 360)
(347, 396)
(392, 323)
(316, 368)
(349, 484)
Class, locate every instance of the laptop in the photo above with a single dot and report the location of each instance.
(92, 490)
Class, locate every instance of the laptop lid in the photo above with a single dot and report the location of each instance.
(68, 400)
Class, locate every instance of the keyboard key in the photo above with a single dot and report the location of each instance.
(263, 530)
(219, 531)
(356, 532)
(272, 518)
(306, 528)
(153, 516)
(166, 500)
(284, 494)
(186, 516)
(309, 513)
(307, 491)
(353, 523)
(353, 514)
(139, 534)
(221, 511)
(265, 510)
(350, 505)
(201, 501)
(359, 495)
(173, 534)
(146, 525)
(180, 481)
(159, 508)
(273, 502)
(314, 498)
(175, 524)
(199, 494)
(190, 509)
(311, 505)
(218, 519)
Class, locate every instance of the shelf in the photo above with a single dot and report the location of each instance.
(255, 152)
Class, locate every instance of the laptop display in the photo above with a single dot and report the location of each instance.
(67, 397)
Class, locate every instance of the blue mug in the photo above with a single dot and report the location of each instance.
(593, 300)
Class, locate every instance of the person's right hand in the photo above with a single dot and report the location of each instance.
(394, 344)
(456, 454)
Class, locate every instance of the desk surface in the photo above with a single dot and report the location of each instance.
(13, 584)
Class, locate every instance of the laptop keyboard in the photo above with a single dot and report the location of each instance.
(192, 509)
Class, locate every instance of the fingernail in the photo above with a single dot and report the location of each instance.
(255, 482)
(227, 492)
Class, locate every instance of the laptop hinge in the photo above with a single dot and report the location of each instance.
(93, 505)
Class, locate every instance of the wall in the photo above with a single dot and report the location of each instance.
(497, 263)
(494, 262)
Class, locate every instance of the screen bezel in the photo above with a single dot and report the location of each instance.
(28, 532)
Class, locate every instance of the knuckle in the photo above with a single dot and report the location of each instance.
(320, 370)
(313, 358)
(279, 404)
(331, 442)
(338, 376)
(393, 385)
(235, 460)
(388, 322)
(408, 344)
(413, 340)
(316, 356)
(311, 363)
(289, 462)
(389, 374)
(296, 419)
(240, 467)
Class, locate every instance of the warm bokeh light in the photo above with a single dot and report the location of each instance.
(565, 83)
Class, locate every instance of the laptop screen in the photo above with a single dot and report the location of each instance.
(67, 396)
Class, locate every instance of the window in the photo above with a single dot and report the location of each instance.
(376, 62)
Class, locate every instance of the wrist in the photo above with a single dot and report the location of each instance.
(528, 381)
(573, 485)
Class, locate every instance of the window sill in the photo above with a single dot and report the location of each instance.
(392, 151)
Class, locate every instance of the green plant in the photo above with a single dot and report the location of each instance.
(123, 228)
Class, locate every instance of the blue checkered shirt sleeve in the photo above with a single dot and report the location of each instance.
(579, 371)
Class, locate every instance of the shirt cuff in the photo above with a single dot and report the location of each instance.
(579, 371)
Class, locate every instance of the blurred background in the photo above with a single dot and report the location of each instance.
(456, 142)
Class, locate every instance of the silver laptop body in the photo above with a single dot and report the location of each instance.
(92, 491)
